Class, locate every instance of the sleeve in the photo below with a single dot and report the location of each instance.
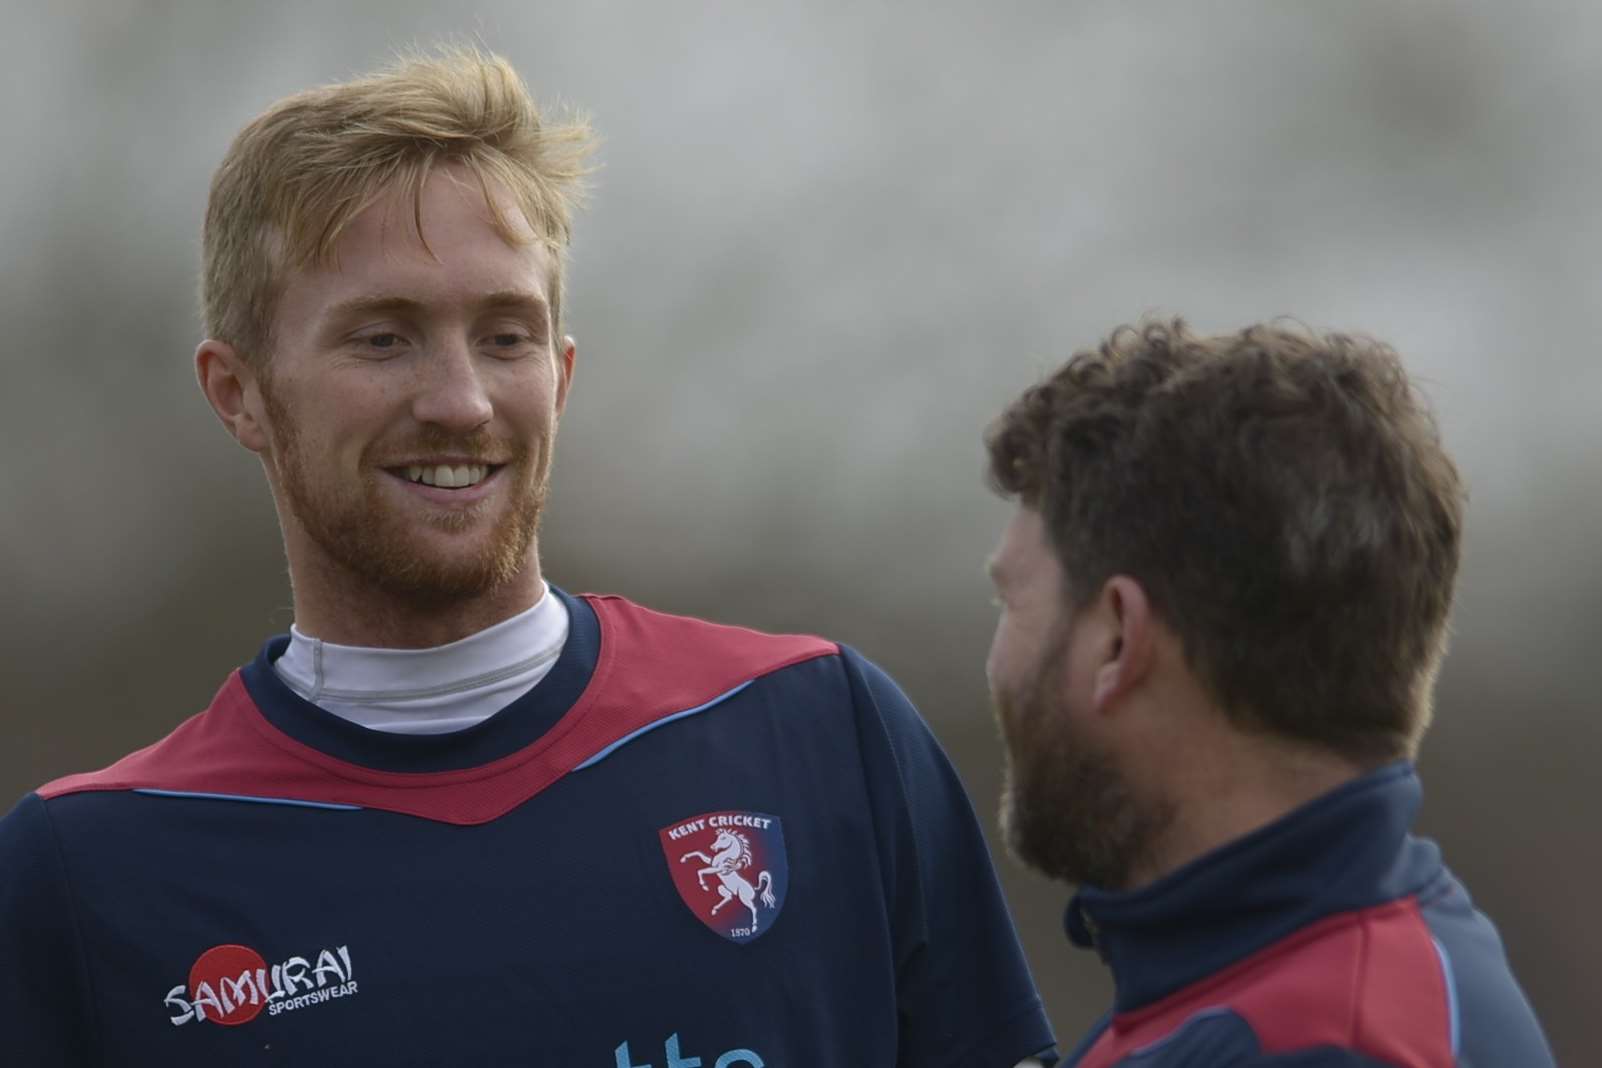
(965, 997)
(45, 1003)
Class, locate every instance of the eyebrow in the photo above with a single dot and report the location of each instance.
(385, 303)
(516, 298)
(370, 305)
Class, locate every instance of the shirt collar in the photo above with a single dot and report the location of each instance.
(424, 681)
(1347, 849)
(518, 725)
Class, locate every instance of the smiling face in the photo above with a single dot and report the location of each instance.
(410, 401)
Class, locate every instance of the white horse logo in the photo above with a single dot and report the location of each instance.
(731, 851)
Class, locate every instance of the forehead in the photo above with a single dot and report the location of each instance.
(443, 247)
(1024, 556)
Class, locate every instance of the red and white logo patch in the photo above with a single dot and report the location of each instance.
(232, 985)
(228, 980)
(730, 870)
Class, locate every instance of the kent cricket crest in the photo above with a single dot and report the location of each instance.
(730, 870)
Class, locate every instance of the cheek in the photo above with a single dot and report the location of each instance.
(345, 422)
(1001, 666)
(993, 659)
(530, 402)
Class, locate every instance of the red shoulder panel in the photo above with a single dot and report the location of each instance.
(650, 666)
(1368, 981)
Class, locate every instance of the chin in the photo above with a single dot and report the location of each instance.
(463, 556)
(442, 579)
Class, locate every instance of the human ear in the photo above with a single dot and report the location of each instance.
(233, 391)
(565, 355)
(1125, 655)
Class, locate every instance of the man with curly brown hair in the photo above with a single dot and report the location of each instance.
(1224, 596)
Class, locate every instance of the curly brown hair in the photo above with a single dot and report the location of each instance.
(1284, 500)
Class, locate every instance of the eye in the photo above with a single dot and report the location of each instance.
(507, 344)
(382, 341)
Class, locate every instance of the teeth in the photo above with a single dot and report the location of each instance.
(448, 477)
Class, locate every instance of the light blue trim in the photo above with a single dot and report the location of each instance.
(246, 797)
(1451, 990)
(1213, 1013)
(627, 738)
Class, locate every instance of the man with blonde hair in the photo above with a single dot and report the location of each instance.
(1224, 595)
(457, 815)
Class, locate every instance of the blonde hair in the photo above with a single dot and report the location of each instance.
(296, 176)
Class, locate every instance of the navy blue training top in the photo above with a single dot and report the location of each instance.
(1331, 938)
(689, 846)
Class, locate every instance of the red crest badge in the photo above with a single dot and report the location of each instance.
(730, 870)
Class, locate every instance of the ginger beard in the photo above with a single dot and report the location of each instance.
(1068, 810)
(359, 531)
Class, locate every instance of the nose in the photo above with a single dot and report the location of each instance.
(451, 393)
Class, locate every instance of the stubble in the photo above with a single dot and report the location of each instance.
(1067, 808)
(359, 533)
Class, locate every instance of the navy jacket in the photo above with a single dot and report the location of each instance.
(1332, 937)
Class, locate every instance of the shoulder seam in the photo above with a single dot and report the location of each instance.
(71, 901)
(857, 692)
(1359, 975)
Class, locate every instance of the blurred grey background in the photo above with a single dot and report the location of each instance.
(828, 242)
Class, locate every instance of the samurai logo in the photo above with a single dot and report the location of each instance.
(232, 985)
(729, 868)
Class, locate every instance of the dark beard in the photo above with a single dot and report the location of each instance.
(349, 525)
(1067, 809)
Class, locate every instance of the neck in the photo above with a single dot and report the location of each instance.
(338, 606)
(1231, 785)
